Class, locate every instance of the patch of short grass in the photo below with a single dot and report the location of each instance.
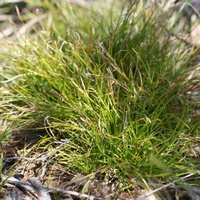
(113, 79)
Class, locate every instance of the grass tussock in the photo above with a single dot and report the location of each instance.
(114, 79)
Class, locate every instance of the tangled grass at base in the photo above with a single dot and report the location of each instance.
(113, 78)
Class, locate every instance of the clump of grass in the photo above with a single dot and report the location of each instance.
(115, 81)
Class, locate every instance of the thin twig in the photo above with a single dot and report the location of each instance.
(165, 186)
(27, 186)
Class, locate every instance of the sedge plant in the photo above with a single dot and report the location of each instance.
(114, 80)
